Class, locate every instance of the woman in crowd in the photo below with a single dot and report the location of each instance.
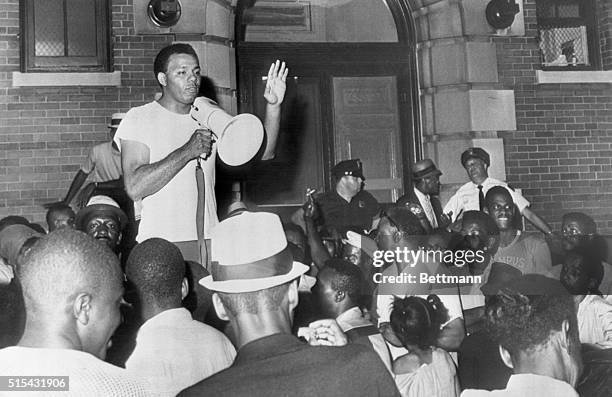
(426, 370)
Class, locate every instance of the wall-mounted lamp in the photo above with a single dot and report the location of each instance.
(500, 13)
(164, 13)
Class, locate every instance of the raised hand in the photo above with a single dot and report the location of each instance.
(276, 83)
(310, 207)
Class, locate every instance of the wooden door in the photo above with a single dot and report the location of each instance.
(366, 126)
(299, 157)
(344, 102)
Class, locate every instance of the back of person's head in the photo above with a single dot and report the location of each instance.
(524, 325)
(484, 222)
(26, 248)
(160, 65)
(296, 239)
(13, 220)
(417, 321)
(582, 272)
(256, 302)
(55, 211)
(69, 279)
(156, 270)
(405, 220)
(295, 234)
(345, 278)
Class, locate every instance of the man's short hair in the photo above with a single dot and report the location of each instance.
(590, 227)
(265, 300)
(482, 219)
(13, 220)
(54, 209)
(497, 190)
(521, 323)
(63, 263)
(160, 65)
(156, 268)
(347, 278)
(589, 263)
(404, 220)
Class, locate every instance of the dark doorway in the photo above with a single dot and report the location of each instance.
(344, 100)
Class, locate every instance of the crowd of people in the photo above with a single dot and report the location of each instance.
(132, 296)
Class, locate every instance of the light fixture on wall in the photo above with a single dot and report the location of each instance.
(164, 13)
(500, 13)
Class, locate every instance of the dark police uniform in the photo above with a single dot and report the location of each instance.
(338, 213)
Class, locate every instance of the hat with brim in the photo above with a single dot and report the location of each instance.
(116, 120)
(100, 206)
(475, 152)
(352, 167)
(250, 253)
(424, 168)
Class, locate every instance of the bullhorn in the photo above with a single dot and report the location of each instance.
(238, 138)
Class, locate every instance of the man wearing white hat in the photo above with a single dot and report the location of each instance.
(103, 220)
(255, 282)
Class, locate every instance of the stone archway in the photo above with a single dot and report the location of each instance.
(461, 101)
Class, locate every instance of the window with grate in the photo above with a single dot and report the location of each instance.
(65, 35)
(568, 33)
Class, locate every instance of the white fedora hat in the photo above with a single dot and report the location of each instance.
(250, 253)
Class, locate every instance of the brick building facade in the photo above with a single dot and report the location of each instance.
(560, 154)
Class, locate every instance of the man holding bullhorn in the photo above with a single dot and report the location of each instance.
(161, 143)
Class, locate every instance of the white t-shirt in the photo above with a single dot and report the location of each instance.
(170, 213)
(88, 375)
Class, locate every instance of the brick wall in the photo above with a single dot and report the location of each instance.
(604, 22)
(560, 154)
(45, 133)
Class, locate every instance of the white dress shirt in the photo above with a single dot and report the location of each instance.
(595, 321)
(521, 385)
(466, 198)
(173, 351)
(353, 318)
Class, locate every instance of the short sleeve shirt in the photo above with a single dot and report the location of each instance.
(170, 213)
(466, 198)
(528, 253)
(104, 162)
(337, 212)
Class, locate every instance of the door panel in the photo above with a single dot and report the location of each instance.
(366, 126)
(299, 156)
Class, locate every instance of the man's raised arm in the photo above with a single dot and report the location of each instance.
(144, 179)
(274, 94)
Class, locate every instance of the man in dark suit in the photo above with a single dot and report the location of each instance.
(423, 199)
(256, 289)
